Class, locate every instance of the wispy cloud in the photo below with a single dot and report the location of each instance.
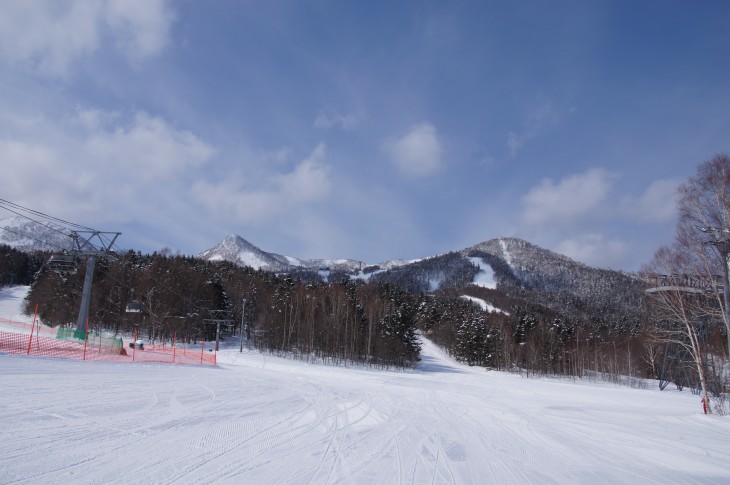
(571, 198)
(102, 166)
(594, 249)
(418, 153)
(309, 180)
(329, 119)
(538, 120)
(658, 202)
(149, 149)
(51, 36)
(590, 217)
(142, 29)
(278, 194)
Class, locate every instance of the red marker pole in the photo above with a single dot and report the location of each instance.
(202, 349)
(174, 347)
(30, 341)
(87, 337)
(134, 344)
(37, 331)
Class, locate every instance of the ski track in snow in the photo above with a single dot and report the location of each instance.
(485, 277)
(262, 419)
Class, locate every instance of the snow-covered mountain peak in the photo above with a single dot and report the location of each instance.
(237, 250)
(237, 244)
(517, 252)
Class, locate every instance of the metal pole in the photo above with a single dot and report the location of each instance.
(86, 296)
(217, 334)
(243, 312)
(722, 243)
(725, 250)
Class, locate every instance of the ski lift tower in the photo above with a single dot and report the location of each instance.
(720, 238)
(677, 362)
(91, 244)
(218, 318)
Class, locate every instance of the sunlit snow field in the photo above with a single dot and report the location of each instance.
(262, 419)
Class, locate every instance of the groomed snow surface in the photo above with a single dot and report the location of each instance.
(483, 304)
(261, 419)
(485, 277)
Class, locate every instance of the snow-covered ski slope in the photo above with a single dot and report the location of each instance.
(260, 419)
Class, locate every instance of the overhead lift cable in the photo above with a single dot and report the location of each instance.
(39, 214)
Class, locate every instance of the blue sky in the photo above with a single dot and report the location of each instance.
(368, 130)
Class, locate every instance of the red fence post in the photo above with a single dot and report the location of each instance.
(30, 340)
(86, 339)
(174, 346)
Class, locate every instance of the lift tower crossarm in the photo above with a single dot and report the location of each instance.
(84, 241)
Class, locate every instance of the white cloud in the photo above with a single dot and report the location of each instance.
(658, 203)
(515, 142)
(277, 157)
(94, 120)
(51, 35)
(142, 28)
(326, 120)
(149, 149)
(571, 198)
(228, 200)
(308, 182)
(418, 153)
(25, 163)
(111, 170)
(40, 177)
(595, 250)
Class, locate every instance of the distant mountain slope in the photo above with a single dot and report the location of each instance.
(239, 251)
(26, 235)
(447, 271)
(509, 266)
(520, 269)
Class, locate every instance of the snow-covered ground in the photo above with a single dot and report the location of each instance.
(261, 419)
(483, 304)
(485, 277)
(12, 302)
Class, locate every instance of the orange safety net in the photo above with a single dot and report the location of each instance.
(41, 345)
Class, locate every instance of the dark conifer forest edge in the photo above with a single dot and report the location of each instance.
(559, 325)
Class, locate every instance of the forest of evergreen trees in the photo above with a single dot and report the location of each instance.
(17, 267)
(351, 321)
(346, 322)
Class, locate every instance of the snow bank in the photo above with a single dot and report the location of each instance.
(262, 419)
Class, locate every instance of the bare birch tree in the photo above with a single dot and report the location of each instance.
(679, 311)
(703, 227)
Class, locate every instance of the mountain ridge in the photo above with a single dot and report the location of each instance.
(511, 266)
(508, 265)
(238, 250)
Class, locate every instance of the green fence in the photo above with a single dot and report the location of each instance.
(113, 343)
